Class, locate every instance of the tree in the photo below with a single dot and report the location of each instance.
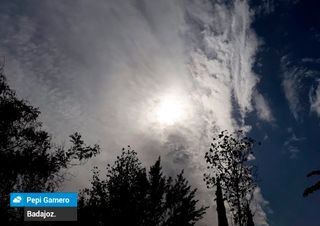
(228, 159)
(131, 196)
(29, 160)
(314, 187)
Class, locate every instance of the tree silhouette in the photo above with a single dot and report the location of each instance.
(130, 196)
(314, 187)
(228, 160)
(29, 160)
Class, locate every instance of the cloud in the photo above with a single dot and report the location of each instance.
(311, 60)
(101, 68)
(221, 57)
(260, 208)
(265, 7)
(291, 85)
(263, 109)
(222, 47)
(291, 145)
(297, 84)
(315, 99)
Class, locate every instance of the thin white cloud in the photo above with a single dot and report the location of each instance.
(291, 83)
(291, 145)
(290, 90)
(265, 7)
(260, 207)
(315, 99)
(311, 60)
(263, 109)
(296, 78)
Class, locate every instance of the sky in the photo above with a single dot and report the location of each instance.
(166, 76)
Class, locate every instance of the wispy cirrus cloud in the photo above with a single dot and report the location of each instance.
(292, 146)
(314, 97)
(298, 85)
(291, 85)
(263, 108)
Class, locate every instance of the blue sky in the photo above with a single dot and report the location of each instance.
(290, 53)
(165, 76)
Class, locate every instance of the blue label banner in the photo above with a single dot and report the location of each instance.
(54, 199)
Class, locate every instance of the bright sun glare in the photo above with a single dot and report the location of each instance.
(170, 111)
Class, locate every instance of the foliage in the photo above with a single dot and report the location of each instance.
(131, 196)
(228, 161)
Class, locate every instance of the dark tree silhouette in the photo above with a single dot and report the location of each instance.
(130, 196)
(314, 187)
(221, 210)
(29, 160)
(228, 160)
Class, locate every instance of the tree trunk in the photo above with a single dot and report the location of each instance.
(221, 210)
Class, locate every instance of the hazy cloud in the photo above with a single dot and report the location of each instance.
(104, 67)
(265, 7)
(311, 60)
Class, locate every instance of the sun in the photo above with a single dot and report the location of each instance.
(170, 111)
